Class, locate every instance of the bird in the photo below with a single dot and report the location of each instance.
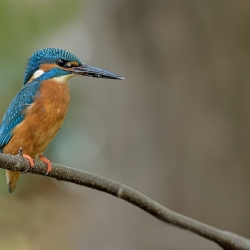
(38, 110)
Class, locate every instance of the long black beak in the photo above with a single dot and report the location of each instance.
(90, 71)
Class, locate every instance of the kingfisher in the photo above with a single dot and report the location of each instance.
(38, 110)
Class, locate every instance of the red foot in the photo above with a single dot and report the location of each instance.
(47, 162)
(30, 160)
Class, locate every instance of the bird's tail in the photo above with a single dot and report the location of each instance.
(12, 178)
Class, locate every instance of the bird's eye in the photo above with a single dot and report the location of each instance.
(63, 63)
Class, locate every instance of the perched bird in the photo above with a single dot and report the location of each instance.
(39, 108)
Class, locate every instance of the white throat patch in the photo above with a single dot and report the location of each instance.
(37, 73)
(63, 79)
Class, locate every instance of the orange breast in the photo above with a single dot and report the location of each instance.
(42, 121)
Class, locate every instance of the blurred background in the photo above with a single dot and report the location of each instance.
(177, 129)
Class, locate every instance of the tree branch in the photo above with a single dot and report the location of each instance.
(226, 240)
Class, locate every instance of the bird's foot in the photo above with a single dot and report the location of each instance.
(47, 162)
(27, 157)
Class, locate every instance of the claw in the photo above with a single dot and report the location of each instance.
(47, 162)
(20, 151)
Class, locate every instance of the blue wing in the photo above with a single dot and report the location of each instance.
(15, 113)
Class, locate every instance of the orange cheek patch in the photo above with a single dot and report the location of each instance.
(47, 67)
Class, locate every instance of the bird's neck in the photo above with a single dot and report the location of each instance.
(55, 92)
(62, 79)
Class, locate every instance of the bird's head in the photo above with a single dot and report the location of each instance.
(60, 64)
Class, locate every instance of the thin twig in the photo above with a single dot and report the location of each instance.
(226, 240)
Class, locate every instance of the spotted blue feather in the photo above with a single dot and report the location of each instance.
(15, 113)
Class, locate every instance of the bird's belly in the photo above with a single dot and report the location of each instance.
(41, 123)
